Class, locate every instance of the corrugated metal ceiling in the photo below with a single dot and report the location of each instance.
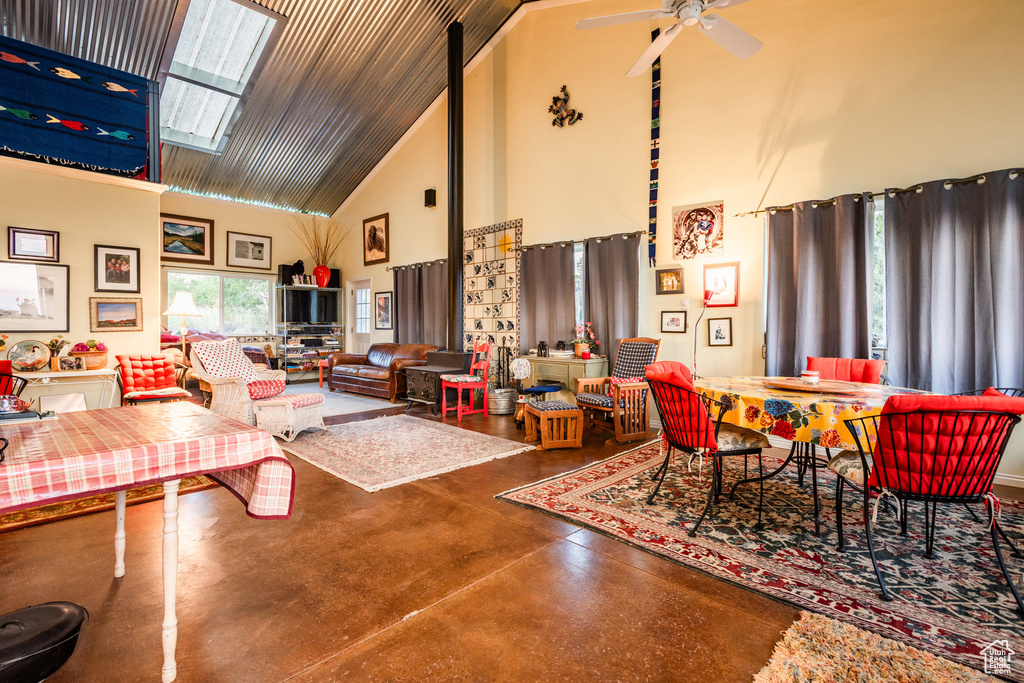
(346, 80)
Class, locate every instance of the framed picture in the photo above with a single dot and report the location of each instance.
(186, 240)
(719, 331)
(698, 230)
(33, 297)
(382, 311)
(117, 268)
(376, 240)
(723, 281)
(673, 321)
(33, 245)
(112, 314)
(669, 281)
(248, 251)
(66, 363)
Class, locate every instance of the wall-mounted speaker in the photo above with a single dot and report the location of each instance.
(430, 198)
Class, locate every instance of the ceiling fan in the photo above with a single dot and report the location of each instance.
(688, 13)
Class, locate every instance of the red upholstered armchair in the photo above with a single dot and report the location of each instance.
(932, 449)
(147, 379)
(847, 369)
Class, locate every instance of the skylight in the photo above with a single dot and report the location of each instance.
(221, 48)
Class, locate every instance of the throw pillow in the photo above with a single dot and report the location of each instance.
(623, 380)
(265, 388)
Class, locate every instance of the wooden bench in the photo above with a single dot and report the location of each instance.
(556, 424)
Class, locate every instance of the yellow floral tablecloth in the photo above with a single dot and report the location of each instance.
(815, 418)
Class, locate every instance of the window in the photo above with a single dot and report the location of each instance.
(878, 278)
(363, 311)
(578, 252)
(219, 52)
(231, 304)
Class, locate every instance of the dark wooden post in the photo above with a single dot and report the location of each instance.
(455, 183)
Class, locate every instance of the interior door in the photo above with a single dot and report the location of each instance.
(359, 315)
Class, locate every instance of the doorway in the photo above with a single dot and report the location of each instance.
(359, 315)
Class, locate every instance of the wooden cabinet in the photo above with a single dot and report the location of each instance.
(564, 371)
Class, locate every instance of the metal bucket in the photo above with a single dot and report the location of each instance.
(502, 401)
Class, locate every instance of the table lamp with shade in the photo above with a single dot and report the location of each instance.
(184, 306)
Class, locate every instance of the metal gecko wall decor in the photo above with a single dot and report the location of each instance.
(652, 210)
(563, 114)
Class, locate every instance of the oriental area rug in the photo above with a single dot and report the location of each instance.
(99, 503)
(954, 605)
(388, 451)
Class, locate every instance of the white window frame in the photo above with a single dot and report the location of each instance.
(271, 281)
(361, 306)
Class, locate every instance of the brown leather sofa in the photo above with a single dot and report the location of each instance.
(377, 372)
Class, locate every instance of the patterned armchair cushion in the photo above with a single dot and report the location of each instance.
(141, 373)
(633, 357)
(848, 465)
(265, 388)
(733, 438)
(225, 359)
(552, 405)
(461, 378)
(594, 400)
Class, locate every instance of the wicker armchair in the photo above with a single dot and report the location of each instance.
(621, 402)
(230, 395)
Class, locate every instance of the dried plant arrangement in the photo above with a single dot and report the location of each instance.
(321, 236)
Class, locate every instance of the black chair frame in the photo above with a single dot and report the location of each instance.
(993, 431)
(16, 383)
(679, 425)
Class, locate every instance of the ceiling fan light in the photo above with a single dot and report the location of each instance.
(690, 15)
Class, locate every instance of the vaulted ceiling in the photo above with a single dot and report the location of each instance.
(343, 84)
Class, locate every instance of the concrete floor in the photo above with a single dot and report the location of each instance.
(433, 580)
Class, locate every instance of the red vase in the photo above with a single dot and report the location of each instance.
(322, 275)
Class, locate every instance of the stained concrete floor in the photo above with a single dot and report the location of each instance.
(435, 580)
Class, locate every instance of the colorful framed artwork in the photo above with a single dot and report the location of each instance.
(723, 281)
(673, 321)
(33, 297)
(115, 314)
(70, 363)
(669, 281)
(24, 244)
(383, 319)
(249, 251)
(117, 268)
(186, 239)
(376, 240)
(698, 230)
(719, 331)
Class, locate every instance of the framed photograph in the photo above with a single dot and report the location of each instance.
(33, 297)
(33, 245)
(186, 240)
(382, 311)
(66, 363)
(698, 230)
(673, 321)
(113, 314)
(248, 251)
(376, 240)
(669, 281)
(117, 268)
(723, 281)
(719, 331)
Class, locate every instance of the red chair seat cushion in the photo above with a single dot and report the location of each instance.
(301, 400)
(265, 388)
(686, 422)
(847, 369)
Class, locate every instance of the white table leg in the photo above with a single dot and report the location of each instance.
(170, 632)
(120, 498)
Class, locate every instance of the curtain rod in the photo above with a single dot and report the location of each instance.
(416, 265)
(980, 178)
(567, 242)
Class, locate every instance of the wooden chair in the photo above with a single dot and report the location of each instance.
(470, 382)
(620, 402)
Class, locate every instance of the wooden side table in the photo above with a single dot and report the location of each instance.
(556, 424)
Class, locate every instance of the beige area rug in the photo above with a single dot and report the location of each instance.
(817, 649)
(388, 451)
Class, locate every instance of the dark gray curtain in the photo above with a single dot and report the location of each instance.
(819, 282)
(547, 309)
(612, 289)
(954, 260)
(421, 303)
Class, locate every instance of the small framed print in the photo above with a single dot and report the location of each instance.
(112, 314)
(723, 281)
(669, 281)
(24, 244)
(70, 363)
(376, 241)
(186, 240)
(719, 331)
(117, 268)
(248, 251)
(382, 311)
(673, 321)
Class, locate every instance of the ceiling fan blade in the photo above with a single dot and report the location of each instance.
(613, 19)
(654, 50)
(730, 36)
(718, 4)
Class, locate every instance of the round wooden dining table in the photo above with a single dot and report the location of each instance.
(808, 415)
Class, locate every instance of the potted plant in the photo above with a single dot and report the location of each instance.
(322, 237)
(55, 345)
(585, 341)
(94, 353)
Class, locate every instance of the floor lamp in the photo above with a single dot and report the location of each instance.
(184, 306)
(696, 331)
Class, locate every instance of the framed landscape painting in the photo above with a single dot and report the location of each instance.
(117, 268)
(113, 314)
(33, 297)
(186, 240)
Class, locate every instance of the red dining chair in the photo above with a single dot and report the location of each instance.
(149, 379)
(933, 449)
(847, 369)
(470, 382)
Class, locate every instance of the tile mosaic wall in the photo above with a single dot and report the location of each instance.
(491, 284)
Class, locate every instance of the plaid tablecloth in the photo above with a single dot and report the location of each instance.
(96, 451)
